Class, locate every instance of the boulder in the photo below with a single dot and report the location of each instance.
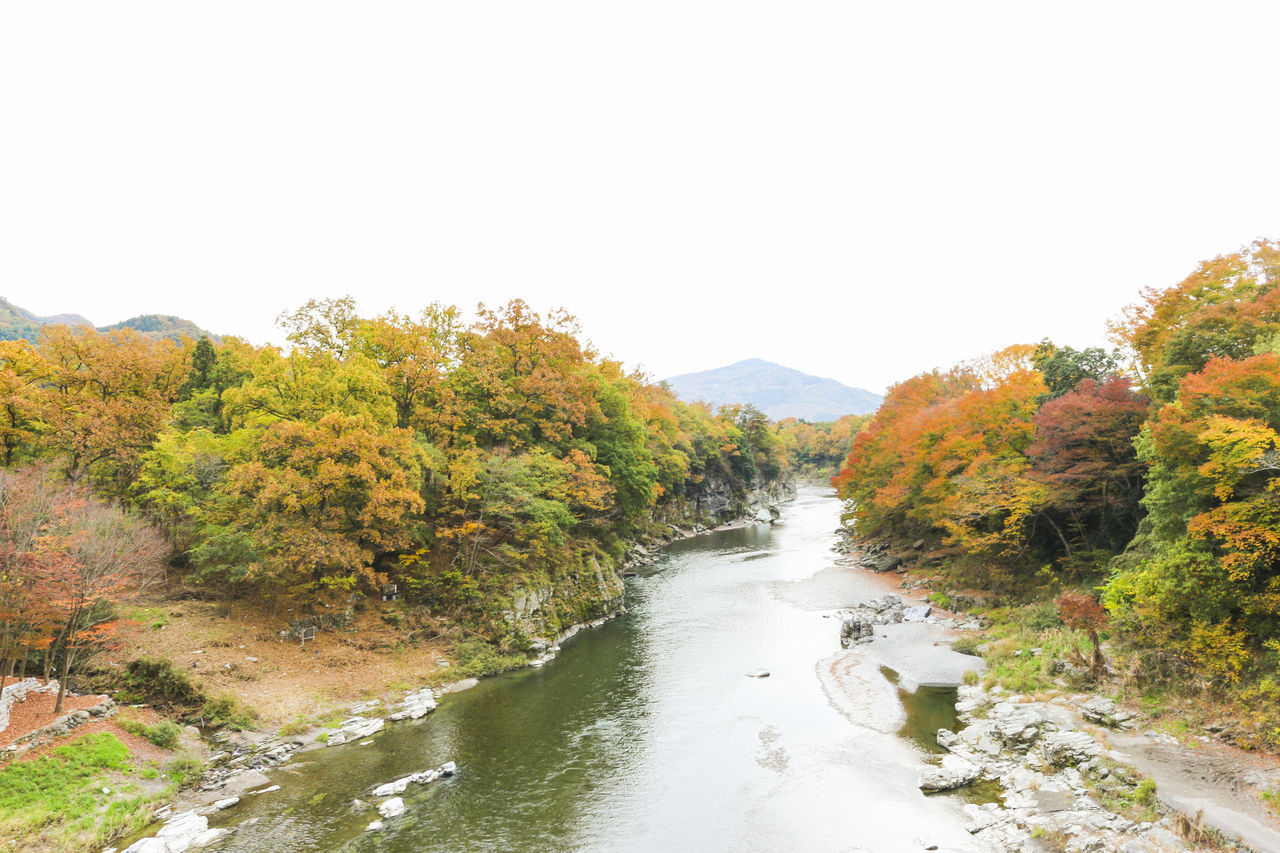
(393, 807)
(953, 772)
(918, 613)
(355, 728)
(1067, 749)
(1015, 727)
(226, 804)
(1105, 712)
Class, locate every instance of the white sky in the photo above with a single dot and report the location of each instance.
(856, 190)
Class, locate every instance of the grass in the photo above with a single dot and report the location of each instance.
(57, 800)
(1272, 799)
(163, 734)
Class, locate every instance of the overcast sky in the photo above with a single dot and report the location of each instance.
(861, 191)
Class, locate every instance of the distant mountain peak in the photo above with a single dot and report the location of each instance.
(776, 390)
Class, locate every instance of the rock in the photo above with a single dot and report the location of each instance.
(178, 834)
(390, 788)
(947, 738)
(918, 613)
(1104, 711)
(953, 772)
(1014, 726)
(355, 728)
(448, 768)
(266, 790)
(758, 673)
(416, 705)
(1067, 749)
(226, 804)
(209, 836)
(393, 807)
(1052, 798)
(374, 826)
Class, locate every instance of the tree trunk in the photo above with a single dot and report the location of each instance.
(62, 681)
(1099, 662)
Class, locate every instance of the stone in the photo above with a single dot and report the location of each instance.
(356, 728)
(1067, 749)
(1051, 798)
(226, 804)
(390, 788)
(918, 613)
(393, 807)
(374, 826)
(953, 772)
(947, 738)
(210, 836)
(448, 768)
(758, 673)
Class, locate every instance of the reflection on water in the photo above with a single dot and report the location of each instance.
(644, 734)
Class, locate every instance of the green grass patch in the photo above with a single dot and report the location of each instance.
(59, 796)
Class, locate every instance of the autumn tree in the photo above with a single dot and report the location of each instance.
(104, 397)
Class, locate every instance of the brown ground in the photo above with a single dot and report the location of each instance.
(37, 712)
(288, 680)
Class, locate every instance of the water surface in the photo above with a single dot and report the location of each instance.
(645, 734)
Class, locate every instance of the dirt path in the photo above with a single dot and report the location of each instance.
(1214, 779)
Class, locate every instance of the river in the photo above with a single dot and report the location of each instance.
(645, 734)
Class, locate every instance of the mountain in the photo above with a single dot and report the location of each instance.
(17, 323)
(778, 391)
(160, 326)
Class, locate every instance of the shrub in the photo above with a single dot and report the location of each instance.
(186, 770)
(158, 681)
(225, 711)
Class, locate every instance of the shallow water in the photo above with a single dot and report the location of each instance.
(645, 734)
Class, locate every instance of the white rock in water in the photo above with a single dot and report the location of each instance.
(392, 808)
(374, 826)
(955, 772)
(758, 673)
(226, 804)
(390, 788)
(448, 768)
(209, 836)
(266, 790)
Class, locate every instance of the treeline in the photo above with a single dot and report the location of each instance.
(456, 461)
(815, 451)
(1152, 471)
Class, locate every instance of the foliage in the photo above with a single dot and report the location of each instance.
(226, 712)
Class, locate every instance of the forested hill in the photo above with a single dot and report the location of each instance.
(779, 392)
(17, 323)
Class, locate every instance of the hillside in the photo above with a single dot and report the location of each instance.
(160, 326)
(17, 323)
(778, 391)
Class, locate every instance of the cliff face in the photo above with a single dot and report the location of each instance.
(592, 588)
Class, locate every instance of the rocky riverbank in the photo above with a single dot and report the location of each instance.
(1064, 770)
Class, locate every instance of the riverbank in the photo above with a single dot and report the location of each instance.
(1076, 771)
(373, 700)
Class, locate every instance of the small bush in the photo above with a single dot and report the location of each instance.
(226, 712)
(158, 681)
(163, 734)
(967, 646)
(476, 659)
(186, 770)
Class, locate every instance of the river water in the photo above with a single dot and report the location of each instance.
(645, 734)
